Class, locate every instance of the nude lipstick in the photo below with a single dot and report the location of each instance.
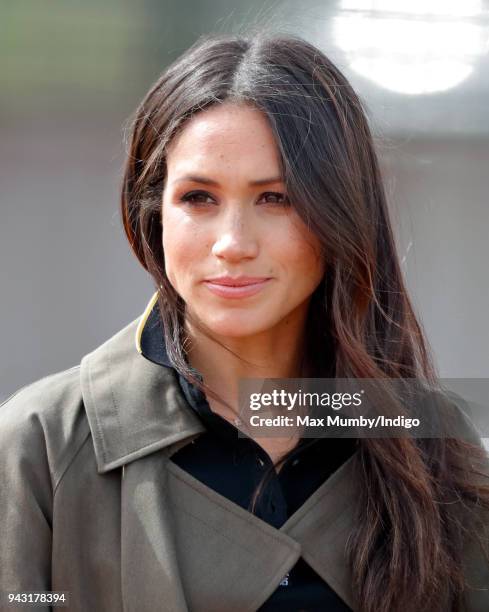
(238, 287)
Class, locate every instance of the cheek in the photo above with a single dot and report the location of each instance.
(184, 247)
(303, 253)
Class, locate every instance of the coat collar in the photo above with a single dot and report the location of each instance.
(134, 405)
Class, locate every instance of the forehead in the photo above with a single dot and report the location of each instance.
(236, 135)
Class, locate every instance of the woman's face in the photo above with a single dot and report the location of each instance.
(225, 213)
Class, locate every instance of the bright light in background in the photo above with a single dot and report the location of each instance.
(411, 46)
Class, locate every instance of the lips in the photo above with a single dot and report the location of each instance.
(240, 281)
(241, 287)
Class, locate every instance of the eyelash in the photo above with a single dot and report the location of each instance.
(191, 194)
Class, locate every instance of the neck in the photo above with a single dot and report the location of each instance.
(274, 353)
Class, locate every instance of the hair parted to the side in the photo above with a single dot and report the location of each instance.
(406, 550)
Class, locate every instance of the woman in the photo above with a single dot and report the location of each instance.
(253, 197)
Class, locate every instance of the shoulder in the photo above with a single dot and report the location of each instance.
(43, 424)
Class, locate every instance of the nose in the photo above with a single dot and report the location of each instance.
(236, 238)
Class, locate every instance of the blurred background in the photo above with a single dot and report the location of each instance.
(71, 76)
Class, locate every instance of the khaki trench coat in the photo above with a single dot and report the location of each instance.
(90, 503)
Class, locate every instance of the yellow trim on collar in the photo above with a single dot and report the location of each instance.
(143, 320)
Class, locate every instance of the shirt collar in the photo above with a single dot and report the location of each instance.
(149, 335)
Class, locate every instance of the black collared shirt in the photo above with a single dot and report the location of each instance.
(233, 466)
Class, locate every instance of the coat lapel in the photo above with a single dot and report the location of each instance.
(229, 559)
(196, 550)
(150, 569)
(322, 525)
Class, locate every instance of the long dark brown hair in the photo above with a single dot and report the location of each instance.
(406, 550)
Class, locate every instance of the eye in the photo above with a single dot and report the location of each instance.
(277, 198)
(197, 198)
(200, 198)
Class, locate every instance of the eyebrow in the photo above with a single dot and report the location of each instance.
(207, 181)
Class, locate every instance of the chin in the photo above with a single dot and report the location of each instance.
(234, 325)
